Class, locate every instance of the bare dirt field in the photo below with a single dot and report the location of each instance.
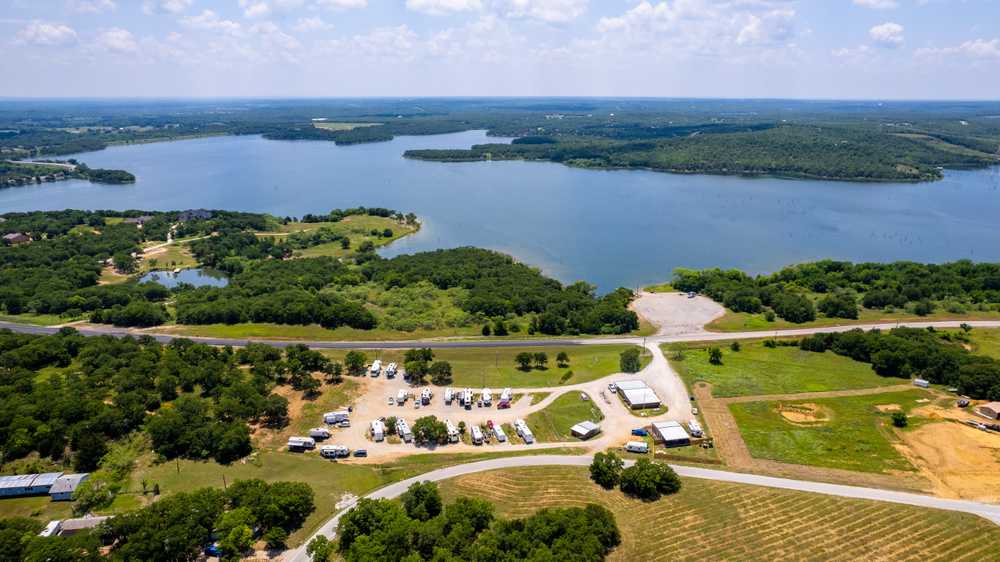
(675, 314)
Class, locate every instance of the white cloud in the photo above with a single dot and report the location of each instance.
(117, 40)
(342, 4)
(487, 39)
(877, 4)
(553, 11)
(384, 44)
(306, 25)
(165, 6)
(888, 35)
(46, 34)
(210, 21)
(974, 49)
(768, 28)
(861, 51)
(253, 9)
(440, 7)
(92, 6)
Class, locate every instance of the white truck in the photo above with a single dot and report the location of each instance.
(695, 427)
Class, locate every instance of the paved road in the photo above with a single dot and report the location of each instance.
(455, 343)
(990, 512)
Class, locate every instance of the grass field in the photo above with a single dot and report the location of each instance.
(312, 332)
(720, 521)
(745, 322)
(986, 342)
(39, 507)
(756, 370)
(495, 367)
(37, 319)
(172, 256)
(552, 423)
(848, 433)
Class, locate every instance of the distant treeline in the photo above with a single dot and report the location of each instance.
(338, 215)
(843, 286)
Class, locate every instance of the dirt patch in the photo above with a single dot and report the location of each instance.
(888, 408)
(804, 414)
(960, 461)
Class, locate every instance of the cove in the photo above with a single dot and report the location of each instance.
(611, 228)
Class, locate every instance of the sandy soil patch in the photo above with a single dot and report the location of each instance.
(675, 313)
(888, 407)
(804, 414)
(960, 461)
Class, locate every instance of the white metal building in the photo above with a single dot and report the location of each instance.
(65, 485)
(585, 429)
(641, 398)
(671, 433)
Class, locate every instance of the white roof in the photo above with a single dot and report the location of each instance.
(631, 385)
(585, 427)
(641, 397)
(67, 483)
(670, 431)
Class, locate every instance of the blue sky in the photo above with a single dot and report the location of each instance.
(885, 49)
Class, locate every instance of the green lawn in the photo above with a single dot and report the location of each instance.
(495, 367)
(313, 332)
(38, 319)
(855, 435)
(39, 507)
(986, 342)
(744, 322)
(756, 370)
(173, 256)
(356, 228)
(552, 423)
(661, 288)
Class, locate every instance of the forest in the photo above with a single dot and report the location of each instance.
(842, 288)
(21, 173)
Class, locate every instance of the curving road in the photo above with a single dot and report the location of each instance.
(990, 512)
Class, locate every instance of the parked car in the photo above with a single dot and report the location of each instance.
(612, 387)
(345, 423)
(361, 453)
(692, 295)
(584, 397)
(391, 401)
(640, 432)
(503, 405)
(962, 403)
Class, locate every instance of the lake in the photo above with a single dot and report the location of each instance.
(611, 228)
(195, 276)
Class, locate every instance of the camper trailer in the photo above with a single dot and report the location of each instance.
(401, 397)
(499, 433)
(319, 433)
(378, 430)
(334, 452)
(637, 447)
(391, 370)
(449, 395)
(505, 396)
(376, 369)
(467, 398)
(477, 435)
(695, 427)
(524, 431)
(487, 397)
(425, 396)
(334, 418)
(452, 431)
(299, 444)
(403, 430)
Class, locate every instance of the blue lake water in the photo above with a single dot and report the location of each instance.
(611, 228)
(195, 276)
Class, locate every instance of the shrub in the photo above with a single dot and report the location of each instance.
(629, 360)
(715, 356)
(606, 470)
(899, 419)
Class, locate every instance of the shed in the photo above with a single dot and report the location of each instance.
(671, 434)
(641, 398)
(65, 485)
(991, 410)
(585, 429)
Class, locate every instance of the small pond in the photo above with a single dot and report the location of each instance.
(199, 277)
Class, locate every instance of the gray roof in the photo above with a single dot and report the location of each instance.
(81, 524)
(641, 396)
(67, 483)
(14, 236)
(586, 426)
(47, 479)
(17, 481)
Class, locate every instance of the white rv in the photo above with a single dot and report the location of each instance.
(499, 433)
(403, 430)
(695, 427)
(376, 368)
(319, 433)
(425, 396)
(301, 443)
(477, 435)
(467, 398)
(487, 397)
(401, 397)
(391, 370)
(505, 395)
(524, 431)
(334, 451)
(449, 395)
(378, 430)
(332, 418)
(637, 447)
(452, 431)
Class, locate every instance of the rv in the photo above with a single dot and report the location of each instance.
(499, 433)
(335, 418)
(467, 398)
(637, 447)
(334, 452)
(487, 397)
(391, 370)
(401, 397)
(695, 428)
(477, 435)
(403, 430)
(425, 396)
(378, 430)
(319, 433)
(505, 397)
(449, 395)
(921, 383)
(524, 431)
(376, 368)
(301, 443)
(452, 431)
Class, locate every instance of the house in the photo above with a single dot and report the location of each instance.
(27, 484)
(15, 238)
(70, 527)
(671, 434)
(138, 221)
(65, 485)
(991, 410)
(585, 430)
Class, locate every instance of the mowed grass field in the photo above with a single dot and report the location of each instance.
(745, 322)
(719, 521)
(480, 367)
(552, 423)
(756, 370)
(356, 228)
(986, 342)
(849, 433)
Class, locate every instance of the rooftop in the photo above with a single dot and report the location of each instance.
(641, 396)
(670, 431)
(67, 483)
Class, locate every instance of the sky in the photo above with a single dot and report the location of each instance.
(830, 49)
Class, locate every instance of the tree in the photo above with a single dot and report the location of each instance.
(124, 262)
(275, 410)
(715, 356)
(606, 469)
(629, 361)
(923, 308)
(541, 359)
(236, 542)
(966, 327)
(648, 480)
(276, 538)
(487, 331)
(500, 328)
(428, 430)
(440, 373)
(355, 362)
(524, 360)
(422, 501)
(562, 359)
(841, 304)
(321, 549)
(899, 419)
(735, 346)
